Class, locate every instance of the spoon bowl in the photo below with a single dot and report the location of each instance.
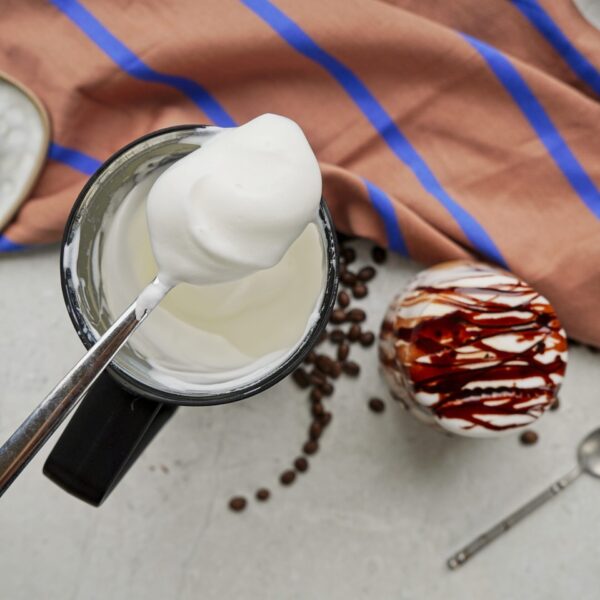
(588, 453)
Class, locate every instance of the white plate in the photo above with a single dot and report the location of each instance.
(24, 133)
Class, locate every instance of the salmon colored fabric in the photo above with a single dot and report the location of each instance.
(443, 129)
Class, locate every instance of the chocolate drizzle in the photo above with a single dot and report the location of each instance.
(489, 355)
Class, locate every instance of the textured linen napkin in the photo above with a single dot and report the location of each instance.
(443, 129)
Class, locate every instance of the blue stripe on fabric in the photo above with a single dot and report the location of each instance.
(290, 32)
(74, 158)
(384, 207)
(7, 245)
(543, 22)
(134, 66)
(541, 123)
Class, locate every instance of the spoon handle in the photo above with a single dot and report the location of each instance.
(25, 442)
(491, 534)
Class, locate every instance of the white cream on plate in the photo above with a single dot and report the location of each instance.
(231, 227)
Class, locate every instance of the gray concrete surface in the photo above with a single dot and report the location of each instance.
(384, 503)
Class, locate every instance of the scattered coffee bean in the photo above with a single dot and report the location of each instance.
(376, 405)
(379, 254)
(336, 370)
(325, 419)
(316, 395)
(337, 336)
(529, 437)
(366, 274)
(356, 315)
(287, 477)
(315, 430)
(354, 332)
(317, 378)
(310, 447)
(338, 316)
(343, 299)
(555, 405)
(237, 503)
(263, 494)
(327, 389)
(343, 351)
(301, 464)
(359, 290)
(324, 363)
(367, 338)
(325, 368)
(351, 368)
(310, 357)
(349, 255)
(301, 378)
(348, 278)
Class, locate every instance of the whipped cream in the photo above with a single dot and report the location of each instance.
(232, 207)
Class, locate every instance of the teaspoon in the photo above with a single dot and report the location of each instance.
(588, 461)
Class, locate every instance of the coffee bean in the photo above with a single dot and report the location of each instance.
(324, 363)
(337, 316)
(317, 378)
(343, 299)
(337, 336)
(366, 274)
(287, 477)
(263, 494)
(529, 437)
(354, 332)
(376, 405)
(367, 338)
(325, 419)
(343, 351)
(349, 255)
(359, 290)
(336, 370)
(327, 389)
(348, 278)
(316, 394)
(237, 503)
(555, 405)
(379, 254)
(356, 315)
(301, 378)
(351, 368)
(301, 464)
(315, 430)
(317, 410)
(310, 357)
(322, 338)
(310, 447)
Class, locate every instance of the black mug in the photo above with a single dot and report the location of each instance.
(127, 406)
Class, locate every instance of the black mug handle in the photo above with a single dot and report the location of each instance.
(105, 436)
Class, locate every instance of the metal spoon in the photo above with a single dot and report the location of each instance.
(32, 434)
(588, 459)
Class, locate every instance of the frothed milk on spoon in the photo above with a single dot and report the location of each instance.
(232, 207)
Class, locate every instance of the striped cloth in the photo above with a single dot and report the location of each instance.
(443, 129)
